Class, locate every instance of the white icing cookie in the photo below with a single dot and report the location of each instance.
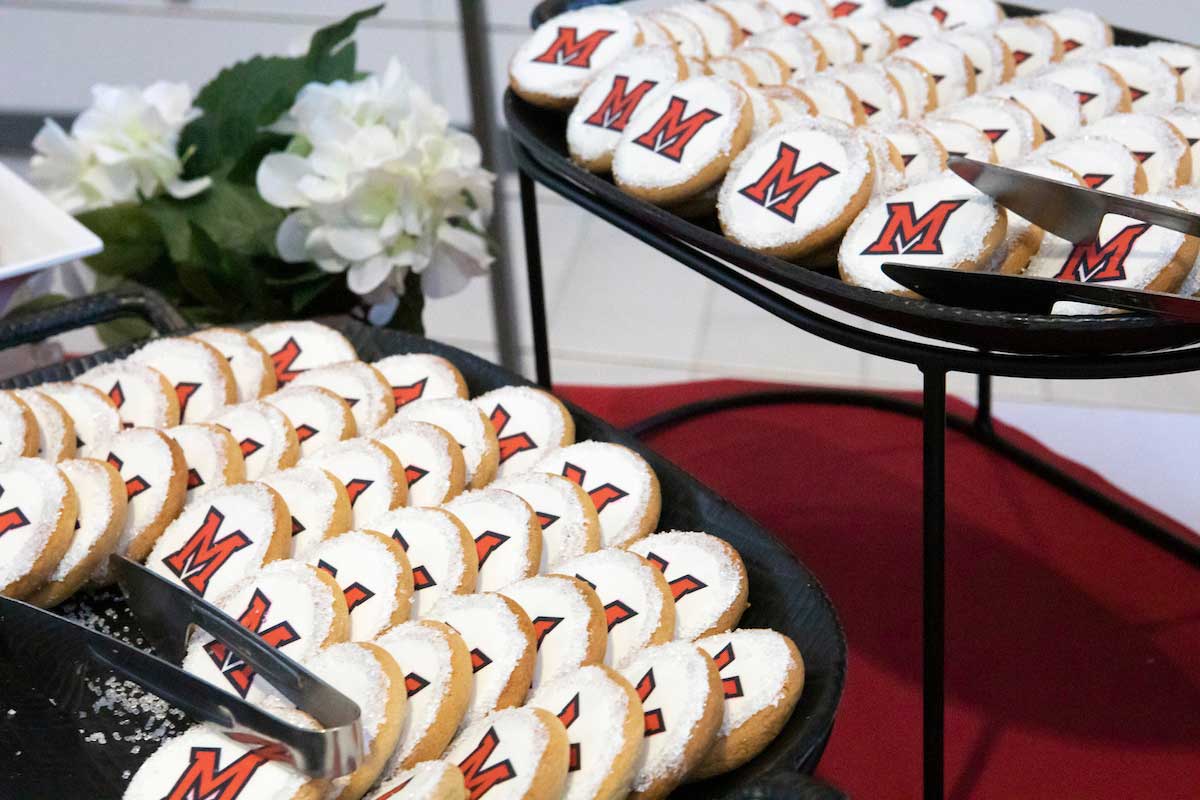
(792, 104)
(18, 428)
(681, 694)
(961, 139)
(685, 35)
(949, 66)
(1157, 145)
(143, 397)
(38, 510)
(1153, 83)
(251, 364)
(469, 427)
(1022, 238)
(1101, 162)
(916, 84)
(1033, 43)
(371, 473)
(707, 579)
(875, 39)
(56, 431)
(832, 98)
(623, 487)
(440, 551)
(264, 435)
(766, 114)
(1189, 198)
(570, 525)
(910, 25)
(797, 12)
(502, 644)
(433, 461)
(375, 577)
(889, 168)
(1185, 60)
(799, 51)
(751, 16)
(921, 152)
(1012, 129)
(1186, 119)
(839, 45)
(940, 222)
(528, 422)
(554, 64)
(421, 376)
(363, 387)
(637, 600)
(568, 623)
(991, 60)
(718, 29)
(212, 456)
(298, 346)
(203, 382)
(879, 93)
(1055, 107)
(652, 34)
(220, 538)
(508, 538)
(1082, 32)
(93, 415)
(1100, 90)
(767, 68)
(515, 754)
(857, 8)
(428, 780)
(961, 13)
(319, 417)
(604, 722)
(318, 504)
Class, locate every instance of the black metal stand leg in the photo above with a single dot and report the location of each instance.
(983, 405)
(537, 294)
(934, 577)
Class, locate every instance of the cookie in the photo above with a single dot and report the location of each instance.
(253, 371)
(502, 644)
(940, 222)
(916, 84)
(1185, 60)
(1034, 44)
(220, 538)
(93, 415)
(1158, 146)
(1186, 119)
(1082, 32)
(570, 525)
(797, 188)
(875, 40)
(1153, 83)
(1098, 88)
(433, 462)
(1055, 107)
(768, 68)
(371, 473)
(1101, 162)
(920, 151)
(202, 379)
(797, 12)
(637, 600)
(293, 607)
(961, 139)
(528, 422)
(18, 428)
(857, 8)
(889, 168)
(515, 754)
(1189, 198)
(679, 143)
(622, 486)
(651, 33)
(319, 417)
(991, 59)
(363, 387)
(100, 495)
(569, 623)
(833, 99)
(910, 25)
(877, 90)
(469, 427)
(682, 706)
(508, 537)
(440, 550)
(751, 16)
(56, 431)
(428, 780)
(707, 579)
(766, 115)
(837, 42)
(38, 510)
(1012, 128)
(718, 29)
(961, 13)
(421, 376)
(317, 502)
(685, 35)
(438, 679)
(604, 722)
(1022, 238)
(556, 62)
(212, 456)
(298, 346)
(264, 434)
(762, 676)
(951, 69)
(375, 577)
(143, 397)
(607, 104)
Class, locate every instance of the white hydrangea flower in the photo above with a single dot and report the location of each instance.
(124, 147)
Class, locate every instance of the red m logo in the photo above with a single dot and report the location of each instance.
(479, 780)
(513, 443)
(671, 133)
(682, 586)
(568, 50)
(1091, 263)
(404, 395)
(283, 358)
(203, 780)
(781, 189)
(653, 719)
(602, 495)
(904, 232)
(202, 555)
(619, 104)
(236, 671)
(732, 687)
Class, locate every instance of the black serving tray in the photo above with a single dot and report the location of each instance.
(540, 136)
(79, 750)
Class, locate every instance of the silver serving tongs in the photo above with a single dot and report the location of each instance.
(54, 648)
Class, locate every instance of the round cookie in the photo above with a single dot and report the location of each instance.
(38, 510)
(212, 456)
(292, 606)
(515, 754)
(1101, 162)
(1158, 146)
(797, 12)
(56, 431)
(528, 422)
(93, 415)
(638, 607)
(319, 417)
(418, 376)
(762, 676)
(792, 104)
(375, 577)
(877, 90)
(469, 427)
(1189, 198)
(833, 99)
(1055, 107)
(685, 35)
(940, 222)
(1098, 88)
(371, 473)
(766, 114)
(202, 379)
(796, 189)
(920, 151)
(508, 537)
(433, 461)
(607, 104)
(916, 84)
(568, 622)
(604, 722)
(751, 16)
(1185, 60)
(1082, 32)
(889, 172)
(570, 525)
(253, 371)
(317, 502)
(1153, 83)
(720, 33)
(875, 39)
(502, 644)
(143, 397)
(264, 434)
(1022, 238)
(556, 62)
(428, 780)
(910, 25)
(991, 59)
(437, 674)
(1011, 127)
(961, 13)
(682, 706)
(767, 68)
(440, 551)
(652, 34)
(298, 346)
(363, 387)
(951, 69)
(18, 428)
(679, 143)
(1186, 119)
(839, 45)
(961, 139)
(1033, 43)
(220, 538)
(707, 579)
(622, 486)
(100, 495)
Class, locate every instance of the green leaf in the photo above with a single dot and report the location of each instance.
(326, 50)
(122, 331)
(237, 218)
(132, 239)
(412, 304)
(305, 294)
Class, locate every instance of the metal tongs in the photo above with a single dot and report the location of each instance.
(58, 652)
(1069, 211)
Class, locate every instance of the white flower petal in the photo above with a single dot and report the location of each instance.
(366, 276)
(354, 244)
(290, 238)
(181, 190)
(277, 178)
